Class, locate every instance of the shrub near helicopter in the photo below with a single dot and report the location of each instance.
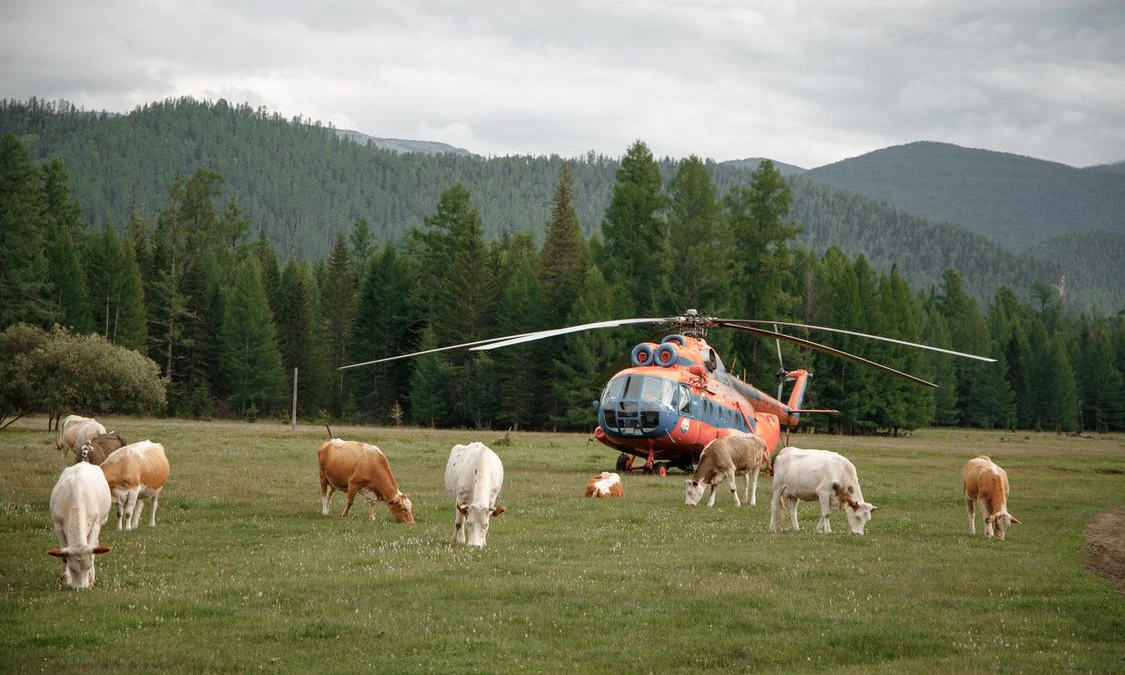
(678, 396)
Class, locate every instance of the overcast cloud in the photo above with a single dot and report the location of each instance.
(805, 82)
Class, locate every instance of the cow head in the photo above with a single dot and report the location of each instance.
(693, 491)
(1001, 523)
(477, 519)
(402, 509)
(78, 565)
(858, 514)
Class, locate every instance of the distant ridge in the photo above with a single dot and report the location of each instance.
(402, 145)
(751, 163)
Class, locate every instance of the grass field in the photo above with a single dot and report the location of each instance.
(242, 573)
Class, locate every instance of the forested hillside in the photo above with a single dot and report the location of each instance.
(304, 184)
(1017, 201)
(229, 323)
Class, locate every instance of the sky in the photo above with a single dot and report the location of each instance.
(804, 82)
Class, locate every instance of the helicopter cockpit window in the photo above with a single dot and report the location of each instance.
(683, 400)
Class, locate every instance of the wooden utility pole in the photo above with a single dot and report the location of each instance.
(293, 417)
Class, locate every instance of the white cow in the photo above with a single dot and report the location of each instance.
(74, 432)
(474, 475)
(80, 504)
(808, 475)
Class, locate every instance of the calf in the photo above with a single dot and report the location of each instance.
(825, 476)
(474, 475)
(74, 431)
(605, 484)
(136, 472)
(987, 483)
(99, 447)
(722, 460)
(80, 504)
(359, 467)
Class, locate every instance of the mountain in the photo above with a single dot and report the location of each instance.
(751, 163)
(305, 184)
(1017, 201)
(401, 145)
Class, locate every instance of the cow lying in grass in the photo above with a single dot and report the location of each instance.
(605, 484)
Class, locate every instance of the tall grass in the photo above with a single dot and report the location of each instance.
(242, 572)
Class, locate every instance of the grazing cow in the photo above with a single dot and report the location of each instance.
(136, 472)
(605, 484)
(722, 460)
(474, 475)
(80, 504)
(359, 467)
(95, 450)
(74, 431)
(987, 483)
(822, 475)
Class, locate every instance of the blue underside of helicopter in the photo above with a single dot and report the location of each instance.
(636, 406)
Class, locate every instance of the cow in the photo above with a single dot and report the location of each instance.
(99, 447)
(74, 431)
(987, 483)
(358, 467)
(474, 475)
(801, 474)
(605, 484)
(722, 460)
(80, 503)
(136, 472)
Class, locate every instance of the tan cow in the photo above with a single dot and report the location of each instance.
(136, 472)
(722, 460)
(95, 450)
(359, 467)
(987, 483)
(605, 484)
(74, 431)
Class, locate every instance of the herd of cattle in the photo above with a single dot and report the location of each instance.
(108, 471)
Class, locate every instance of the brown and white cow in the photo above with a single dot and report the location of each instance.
(136, 472)
(95, 450)
(987, 483)
(605, 484)
(821, 475)
(74, 431)
(358, 467)
(474, 475)
(80, 503)
(722, 460)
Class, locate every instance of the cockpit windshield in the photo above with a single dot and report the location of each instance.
(634, 403)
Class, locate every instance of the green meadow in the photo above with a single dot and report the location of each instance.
(242, 573)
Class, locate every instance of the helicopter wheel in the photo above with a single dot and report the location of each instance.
(623, 462)
(663, 470)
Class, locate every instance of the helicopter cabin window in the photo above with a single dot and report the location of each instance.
(683, 400)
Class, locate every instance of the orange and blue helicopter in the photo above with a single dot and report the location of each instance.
(677, 396)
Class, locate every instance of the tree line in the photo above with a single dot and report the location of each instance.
(198, 289)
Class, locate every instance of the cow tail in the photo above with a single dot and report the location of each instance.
(330, 436)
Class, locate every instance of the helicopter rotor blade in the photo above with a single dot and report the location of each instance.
(821, 348)
(863, 335)
(540, 335)
(431, 351)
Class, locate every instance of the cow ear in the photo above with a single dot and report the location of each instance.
(464, 510)
(98, 550)
(498, 511)
(1016, 520)
(57, 552)
(873, 507)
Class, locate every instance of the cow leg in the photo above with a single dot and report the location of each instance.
(825, 508)
(791, 503)
(351, 498)
(970, 507)
(137, 512)
(711, 502)
(773, 509)
(371, 499)
(986, 516)
(733, 479)
(458, 527)
(753, 481)
(119, 502)
(152, 517)
(326, 491)
(130, 507)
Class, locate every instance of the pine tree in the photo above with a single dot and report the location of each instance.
(636, 238)
(250, 357)
(298, 337)
(24, 282)
(520, 368)
(337, 297)
(698, 241)
(565, 255)
(63, 230)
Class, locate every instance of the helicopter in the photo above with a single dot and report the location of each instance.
(677, 395)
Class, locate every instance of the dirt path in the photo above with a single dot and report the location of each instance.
(1106, 555)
